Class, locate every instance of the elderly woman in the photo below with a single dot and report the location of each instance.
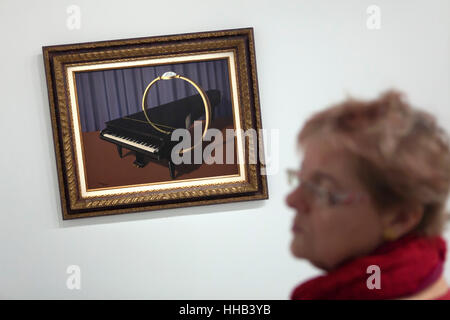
(370, 202)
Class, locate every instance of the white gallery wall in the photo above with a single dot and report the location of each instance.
(309, 54)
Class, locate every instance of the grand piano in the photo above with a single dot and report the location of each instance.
(134, 133)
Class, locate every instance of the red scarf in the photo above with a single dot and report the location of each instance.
(407, 266)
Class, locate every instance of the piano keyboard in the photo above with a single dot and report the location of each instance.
(133, 142)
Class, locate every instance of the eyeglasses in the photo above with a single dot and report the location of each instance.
(320, 195)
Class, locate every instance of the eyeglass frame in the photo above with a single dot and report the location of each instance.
(324, 196)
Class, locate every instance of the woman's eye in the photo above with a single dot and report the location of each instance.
(332, 199)
(324, 186)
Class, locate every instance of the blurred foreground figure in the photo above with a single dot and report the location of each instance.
(370, 201)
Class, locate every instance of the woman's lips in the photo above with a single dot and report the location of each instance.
(296, 229)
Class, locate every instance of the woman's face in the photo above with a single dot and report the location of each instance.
(328, 235)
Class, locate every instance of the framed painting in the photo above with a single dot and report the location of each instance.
(158, 122)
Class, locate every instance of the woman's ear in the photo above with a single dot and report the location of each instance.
(400, 220)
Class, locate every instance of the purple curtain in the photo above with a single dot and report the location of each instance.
(111, 94)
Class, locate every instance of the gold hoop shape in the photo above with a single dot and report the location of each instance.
(172, 75)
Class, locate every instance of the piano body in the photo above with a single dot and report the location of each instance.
(134, 133)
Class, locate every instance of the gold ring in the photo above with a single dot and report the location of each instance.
(172, 75)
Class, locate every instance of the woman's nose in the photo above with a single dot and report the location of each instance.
(296, 200)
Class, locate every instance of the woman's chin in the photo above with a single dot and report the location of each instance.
(297, 249)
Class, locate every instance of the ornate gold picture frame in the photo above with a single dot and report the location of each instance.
(116, 107)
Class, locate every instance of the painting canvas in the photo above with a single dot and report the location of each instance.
(140, 127)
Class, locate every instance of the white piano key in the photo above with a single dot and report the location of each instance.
(133, 143)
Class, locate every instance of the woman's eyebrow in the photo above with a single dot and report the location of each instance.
(319, 175)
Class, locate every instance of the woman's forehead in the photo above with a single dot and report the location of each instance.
(326, 161)
(324, 153)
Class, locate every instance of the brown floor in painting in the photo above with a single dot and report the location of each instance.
(104, 168)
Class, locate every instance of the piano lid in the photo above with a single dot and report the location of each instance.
(179, 113)
(170, 116)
